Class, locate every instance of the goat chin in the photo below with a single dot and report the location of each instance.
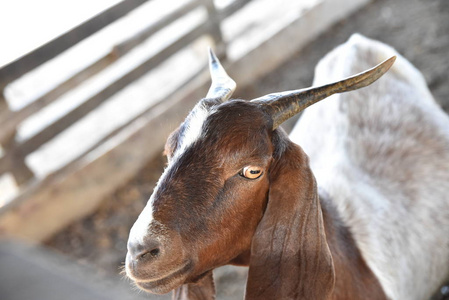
(363, 215)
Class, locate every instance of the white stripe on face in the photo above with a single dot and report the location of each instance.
(193, 128)
(142, 224)
(192, 133)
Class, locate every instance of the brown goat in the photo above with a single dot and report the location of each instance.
(238, 191)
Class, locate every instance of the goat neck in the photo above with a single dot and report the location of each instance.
(353, 278)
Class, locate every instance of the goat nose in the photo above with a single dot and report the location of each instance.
(145, 251)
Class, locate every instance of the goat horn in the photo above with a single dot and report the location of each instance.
(282, 106)
(222, 85)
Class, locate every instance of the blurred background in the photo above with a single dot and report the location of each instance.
(90, 92)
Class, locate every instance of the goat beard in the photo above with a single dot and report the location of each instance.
(204, 289)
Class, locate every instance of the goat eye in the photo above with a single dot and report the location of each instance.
(251, 172)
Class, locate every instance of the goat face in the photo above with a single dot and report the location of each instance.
(207, 204)
(210, 201)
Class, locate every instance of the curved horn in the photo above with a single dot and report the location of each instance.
(222, 85)
(282, 106)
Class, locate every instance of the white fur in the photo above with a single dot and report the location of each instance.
(142, 226)
(390, 178)
(194, 127)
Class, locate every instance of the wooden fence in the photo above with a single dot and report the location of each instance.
(15, 153)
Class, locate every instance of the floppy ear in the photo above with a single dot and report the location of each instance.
(290, 258)
(202, 290)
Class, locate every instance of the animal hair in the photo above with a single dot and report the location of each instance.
(382, 155)
(352, 205)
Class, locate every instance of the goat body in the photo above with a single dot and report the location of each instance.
(382, 156)
(373, 225)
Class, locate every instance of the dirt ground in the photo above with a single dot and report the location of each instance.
(418, 29)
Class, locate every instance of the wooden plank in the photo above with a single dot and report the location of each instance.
(10, 120)
(22, 174)
(278, 48)
(93, 102)
(51, 49)
(145, 33)
(116, 131)
(215, 23)
(232, 8)
(73, 193)
(4, 108)
(3, 103)
(15, 162)
(16, 165)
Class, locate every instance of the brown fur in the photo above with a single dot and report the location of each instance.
(290, 258)
(202, 290)
(295, 248)
(299, 250)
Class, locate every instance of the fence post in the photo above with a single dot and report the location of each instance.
(4, 108)
(215, 28)
(16, 163)
(17, 166)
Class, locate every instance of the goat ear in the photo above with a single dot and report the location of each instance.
(290, 258)
(202, 290)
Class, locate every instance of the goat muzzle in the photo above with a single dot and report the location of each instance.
(158, 263)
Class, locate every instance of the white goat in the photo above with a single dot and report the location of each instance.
(382, 155)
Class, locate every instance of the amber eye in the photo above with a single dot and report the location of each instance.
(251, 172)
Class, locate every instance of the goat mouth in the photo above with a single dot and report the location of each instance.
(168, 282)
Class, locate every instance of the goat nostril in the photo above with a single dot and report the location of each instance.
(154, 252)
(150, 254)
(150, 249)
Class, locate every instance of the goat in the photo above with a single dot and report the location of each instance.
(237, 190)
